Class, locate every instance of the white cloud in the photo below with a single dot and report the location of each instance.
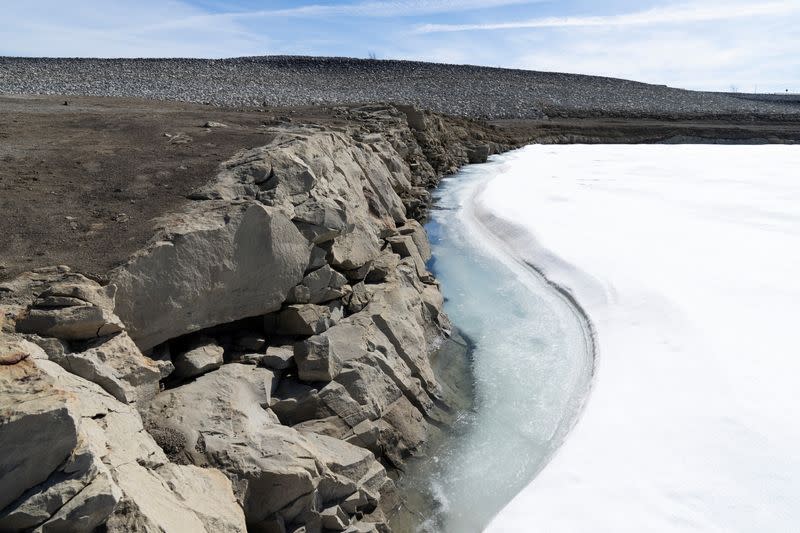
(98, 28)
(706, 45)
(740, 54)
(385, 8)
(684, 13)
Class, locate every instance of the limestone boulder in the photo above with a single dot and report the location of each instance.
(116, 364)
(320, 357)
(404, 246)
(415, 117)
(419, 236)
(71, 318)
(278, 357)
(321, 219)
(354, 249)
(373, 371)
(203, 356)
(71, 307)
(318, 259)
(39, 428)
(320, 286)
(216, 263)
(358, 298)
(279, 474)
(74, 322)
(383, 267)
(307, 319)
(478, 153)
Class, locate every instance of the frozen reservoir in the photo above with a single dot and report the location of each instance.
(532, 362)
(687, 261)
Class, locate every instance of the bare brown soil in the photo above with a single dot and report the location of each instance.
(80, 184)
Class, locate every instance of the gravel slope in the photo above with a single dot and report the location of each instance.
(453, 89)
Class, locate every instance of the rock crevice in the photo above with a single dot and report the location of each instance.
(262, 364)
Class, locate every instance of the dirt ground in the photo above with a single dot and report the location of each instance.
(81, 183)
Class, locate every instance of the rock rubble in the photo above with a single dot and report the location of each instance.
(461, 90)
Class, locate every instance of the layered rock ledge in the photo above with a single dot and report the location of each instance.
(262, 364)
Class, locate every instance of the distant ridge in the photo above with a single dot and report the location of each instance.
(463, 90)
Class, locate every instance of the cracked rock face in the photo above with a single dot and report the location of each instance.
(287, 316)
(280, 474)
(74, 308)
(75, 458)
(215, 264)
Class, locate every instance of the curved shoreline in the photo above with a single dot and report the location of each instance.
(534, 362)
(488, 224)
(664, 247)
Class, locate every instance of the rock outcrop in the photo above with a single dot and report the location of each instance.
(216, 263)
(274, 335)
(282, 476)
(76, 458)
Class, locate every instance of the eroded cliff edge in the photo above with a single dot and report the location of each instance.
(262, 364)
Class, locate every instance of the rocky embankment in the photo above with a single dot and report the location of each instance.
(262, 364)
(460, 90)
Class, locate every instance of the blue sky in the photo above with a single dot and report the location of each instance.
(704, 44)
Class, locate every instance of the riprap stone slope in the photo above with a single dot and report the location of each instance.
(293, 297)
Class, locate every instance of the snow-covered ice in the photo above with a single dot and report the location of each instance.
(687, 261)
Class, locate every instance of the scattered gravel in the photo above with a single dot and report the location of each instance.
(453, 89)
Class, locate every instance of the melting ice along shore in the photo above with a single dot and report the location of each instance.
(687, 261)
(532, 364)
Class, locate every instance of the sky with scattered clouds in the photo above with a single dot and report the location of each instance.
(701, 44)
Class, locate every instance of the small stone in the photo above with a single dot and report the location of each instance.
(205, 356)
(334, 518)
(305, 319)
(278, 357)
(358, 299)
(383, 266)
(317, 259)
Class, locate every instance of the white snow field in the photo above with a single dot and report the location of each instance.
(687, 261)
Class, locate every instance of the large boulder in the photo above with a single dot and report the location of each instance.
(280, 475)
(39, 430)
(116, 364)
(217, 263)
(419, 236)
(278, 357)
(405, 246)
(71, 307)
(71, 317)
